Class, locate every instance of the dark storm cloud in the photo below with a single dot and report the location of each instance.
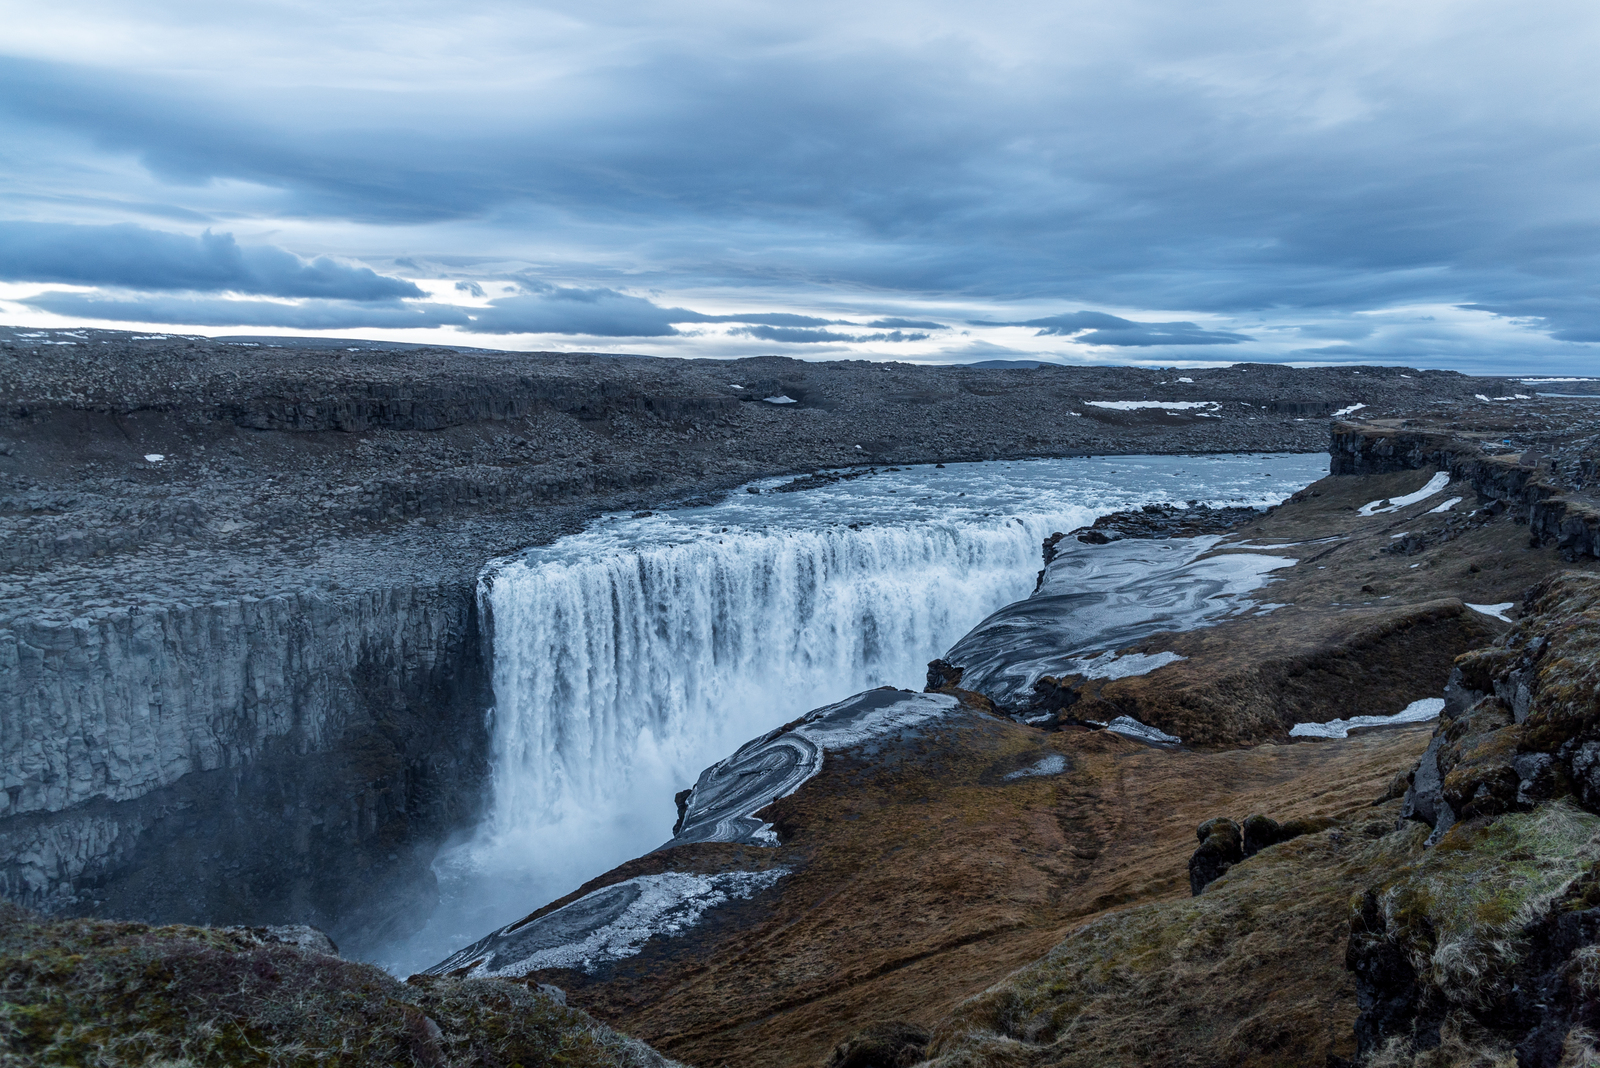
(792, 336)
(216, 311)
(1571, 318)
(592, 312)
(131, 256)
(767, 319)
(1098, 328)
(1233, 158)
(819, 337)
(546, 309)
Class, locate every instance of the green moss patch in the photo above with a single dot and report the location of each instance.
(91, 992)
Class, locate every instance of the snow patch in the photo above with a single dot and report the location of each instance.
(1498, 611)
(780, 399)
(1392, 504)
(1349, 410)
(1446, 506)
(1128, 406)
(1129, 727)
(1189, 380)
(609, 924)
(1416, 712)
(153, 457)
(1054, 764)
(1109, 665)
(830, 730)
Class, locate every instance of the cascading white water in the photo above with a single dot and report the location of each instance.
(671, 656)
(630, 657)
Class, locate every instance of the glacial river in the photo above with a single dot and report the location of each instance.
(631, 656)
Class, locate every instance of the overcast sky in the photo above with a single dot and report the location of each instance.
(1150, 181)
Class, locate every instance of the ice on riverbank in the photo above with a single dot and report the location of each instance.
(1416, 712)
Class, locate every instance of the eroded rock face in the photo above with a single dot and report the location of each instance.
(1554, 494)
(1489, 932)
(1521, 722)
(283, 759)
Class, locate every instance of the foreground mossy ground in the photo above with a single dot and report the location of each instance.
(98, 993)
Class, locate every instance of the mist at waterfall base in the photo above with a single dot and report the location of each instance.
(631, 656)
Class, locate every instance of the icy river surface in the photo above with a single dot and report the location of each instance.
(631, 656)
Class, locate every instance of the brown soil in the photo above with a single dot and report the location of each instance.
(921, 876)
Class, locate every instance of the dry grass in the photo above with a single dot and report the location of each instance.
(1250, 973)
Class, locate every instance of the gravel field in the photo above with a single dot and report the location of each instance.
(143, 470)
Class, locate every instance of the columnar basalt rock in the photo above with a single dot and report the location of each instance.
(198, 735)
(1556, 501)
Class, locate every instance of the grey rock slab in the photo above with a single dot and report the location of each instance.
(605, 925)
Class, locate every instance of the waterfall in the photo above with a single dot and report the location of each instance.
(631, 656)
(667, 658)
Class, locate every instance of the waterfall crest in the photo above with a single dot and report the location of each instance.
(674, 655)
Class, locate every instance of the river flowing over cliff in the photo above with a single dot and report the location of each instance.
(629, 657)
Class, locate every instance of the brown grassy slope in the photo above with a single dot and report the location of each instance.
(96, 992)
(921, 876)
(1250, 974)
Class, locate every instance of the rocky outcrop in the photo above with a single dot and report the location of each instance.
(1521, 722)
(1224, 843)
(1555, 500)
(896, 1044)
(1221, 847)
(96, 991)
(1485, 938)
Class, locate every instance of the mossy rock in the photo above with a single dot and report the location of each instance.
(94, 992)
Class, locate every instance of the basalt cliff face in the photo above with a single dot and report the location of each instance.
(299, 753)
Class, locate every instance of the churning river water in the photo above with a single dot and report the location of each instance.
(629, 657)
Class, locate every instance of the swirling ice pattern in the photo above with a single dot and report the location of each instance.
(723, 804)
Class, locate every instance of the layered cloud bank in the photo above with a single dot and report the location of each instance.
(1145, 181)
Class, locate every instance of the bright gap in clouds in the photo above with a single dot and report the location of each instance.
(1234, 182)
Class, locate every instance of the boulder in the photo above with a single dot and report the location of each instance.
(1259, 832)
(1221, 847)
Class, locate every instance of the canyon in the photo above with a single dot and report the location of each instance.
(258, 662)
